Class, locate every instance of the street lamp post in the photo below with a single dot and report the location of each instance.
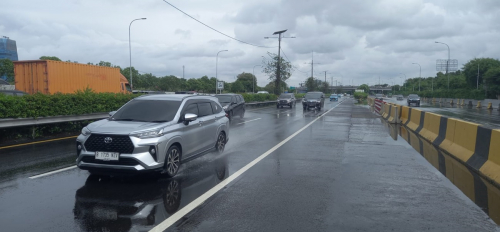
(130, 52)
(254, 78)
(216, 62)
(447, 63)
(419, 77)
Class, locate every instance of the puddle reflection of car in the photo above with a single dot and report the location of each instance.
(140, 203)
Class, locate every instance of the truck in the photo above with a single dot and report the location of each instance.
(50, 77)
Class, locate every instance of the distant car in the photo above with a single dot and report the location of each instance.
(313, 100)
(413, 98)
(154, 133)
(339, 96)
(379, 96)
(233, 104)
(399, 97)
(13, 93)
(263, 92)
(286, 99)
(334, 97)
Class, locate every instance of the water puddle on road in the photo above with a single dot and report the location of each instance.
(479, 190)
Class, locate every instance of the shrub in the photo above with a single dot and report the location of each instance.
(42, 105)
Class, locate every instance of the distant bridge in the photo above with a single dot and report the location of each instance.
(350, 89)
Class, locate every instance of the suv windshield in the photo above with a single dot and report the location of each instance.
(224, 98)
(147, 111)
(412, 96)
(285, 96)
(313, 95)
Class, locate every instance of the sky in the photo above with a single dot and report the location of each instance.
(355, 41)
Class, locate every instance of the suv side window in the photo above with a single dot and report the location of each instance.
(192, 109)
(241, 99)
(233, 99)
(215, 107)
(205, 109)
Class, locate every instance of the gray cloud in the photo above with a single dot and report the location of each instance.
(354, 40)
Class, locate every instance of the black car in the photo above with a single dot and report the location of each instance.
(413, 98)
(13, 92)
(286, 99)
(233, 104)
(313, 100)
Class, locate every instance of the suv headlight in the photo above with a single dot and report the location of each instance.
(85, 131)
(148, 134)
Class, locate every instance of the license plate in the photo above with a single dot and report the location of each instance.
(102, 155)
(105, 214)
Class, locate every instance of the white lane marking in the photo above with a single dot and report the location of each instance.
(248, 121)
(201, 199)
(53, 172)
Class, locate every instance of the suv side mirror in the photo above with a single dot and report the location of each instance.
(189, 118)
(111, 113)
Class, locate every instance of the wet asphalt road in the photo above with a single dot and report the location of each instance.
(344, 172)
(485, 117)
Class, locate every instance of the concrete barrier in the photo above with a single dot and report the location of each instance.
(432, 124)
(491, 167)
(405, 115)
(460, 139)
(395, 113)
(415, 120)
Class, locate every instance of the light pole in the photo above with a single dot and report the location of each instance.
(447, 63)
(419, 77)
(216, 62)
(254, 78)
(130, 52)
(405, 80)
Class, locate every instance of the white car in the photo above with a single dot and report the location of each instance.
(263, 92)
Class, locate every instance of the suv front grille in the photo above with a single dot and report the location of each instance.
(119, 143)
(121, 161)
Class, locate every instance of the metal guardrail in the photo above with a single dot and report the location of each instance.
(17, 122)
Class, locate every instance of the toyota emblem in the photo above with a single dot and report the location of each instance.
(108, 140)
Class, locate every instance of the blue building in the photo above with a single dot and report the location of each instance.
(8, 49)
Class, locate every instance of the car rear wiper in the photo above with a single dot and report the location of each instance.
(159, 121)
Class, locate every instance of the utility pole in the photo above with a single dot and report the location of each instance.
(278, 73)
(312, 64)
(182, 71)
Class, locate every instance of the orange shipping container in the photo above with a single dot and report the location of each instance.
(49, 77)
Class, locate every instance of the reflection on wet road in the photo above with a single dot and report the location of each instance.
(139, 203)
(479, 190)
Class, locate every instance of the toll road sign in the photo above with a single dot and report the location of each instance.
(220, 85)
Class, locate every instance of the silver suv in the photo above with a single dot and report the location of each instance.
(153, 133)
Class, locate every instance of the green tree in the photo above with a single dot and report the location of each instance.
(49, 58)
(270, 67)
(311, 84)
(492, 80)
(365, 87)
(325, 87)
(248, 80)
(193, 84)
(237, 87)
(7, 69)
(470, 70)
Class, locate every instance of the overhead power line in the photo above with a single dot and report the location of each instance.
(295, 67)
(241, 41)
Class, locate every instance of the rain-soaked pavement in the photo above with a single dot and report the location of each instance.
(483, 116)
(342, 172)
